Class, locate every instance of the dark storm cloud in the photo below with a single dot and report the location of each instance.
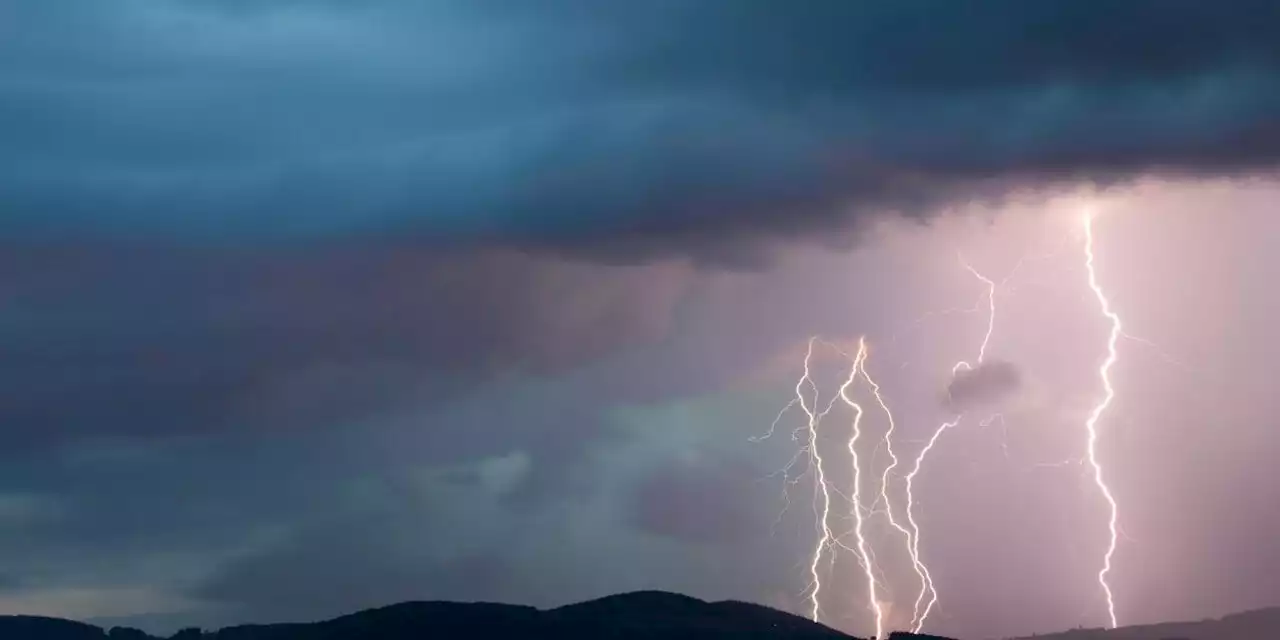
(404, 533)
(338, 566)
(646, 127)
(145, 341)
(10, 582)
(702, 503)
(448, 531)
(987, 383)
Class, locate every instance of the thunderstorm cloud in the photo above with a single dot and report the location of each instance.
(310, 305)
(698, 504)
(986, 384)
(619, 130)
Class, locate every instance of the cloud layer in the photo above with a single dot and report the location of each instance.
(329, 240)
(655, 127)
(110, 339)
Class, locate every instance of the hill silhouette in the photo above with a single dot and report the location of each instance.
(640, 615)
(1262, 624)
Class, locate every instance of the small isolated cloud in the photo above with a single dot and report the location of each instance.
(988, 383)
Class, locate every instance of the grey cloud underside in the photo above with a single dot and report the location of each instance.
(699, 503)
(629, 129)
(367, 574)
(9, 582)
(116, 340)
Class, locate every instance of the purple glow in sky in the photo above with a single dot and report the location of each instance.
(1012, 496)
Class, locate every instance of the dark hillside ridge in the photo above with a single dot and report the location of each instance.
(1261, 624)
(642, 615)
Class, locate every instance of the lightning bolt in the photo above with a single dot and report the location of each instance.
(864, 555)
(917, 622)
(806, 397)
(1091, 425)
(913, 551)
(823, 497)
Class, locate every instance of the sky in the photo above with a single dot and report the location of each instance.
(307, 306)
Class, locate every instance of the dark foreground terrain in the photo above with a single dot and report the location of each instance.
(1263, 624)
(632, 616)
(641, 615)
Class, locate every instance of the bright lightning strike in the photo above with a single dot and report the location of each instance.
(917, 622)
(820, 480)
(991, 316)
(913, 551)
(863, 554)
(806, 397)
(1104, 372)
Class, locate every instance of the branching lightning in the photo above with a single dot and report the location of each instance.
(1104, 372)
(917, 622)
(912, 534)
(904, 519)
(826, 537)
(806, 397)
(864, 556)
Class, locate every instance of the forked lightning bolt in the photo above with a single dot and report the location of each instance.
(1091, 425)
(823, 497)
(864, 556)
(917, 622)
(807, 398)
(913, 550)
